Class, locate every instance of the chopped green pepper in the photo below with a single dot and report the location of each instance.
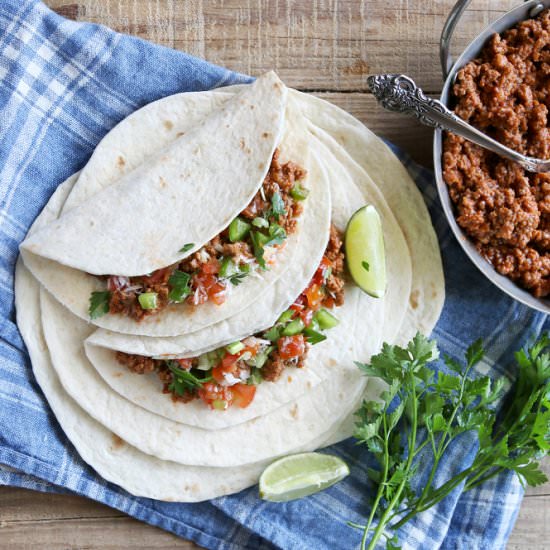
(255, 377)
(298, 193)
(285, 316)
(234, 347)
(238, 229)
(261, 358)
(273, 334)
(294, 327)
(326, 319)
(260, 222)
(148, 300)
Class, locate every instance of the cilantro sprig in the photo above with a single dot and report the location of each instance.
(99, 304)
(421, 412)
(184, 381)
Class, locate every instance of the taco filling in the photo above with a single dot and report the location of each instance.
(229, 375)
(249, 243)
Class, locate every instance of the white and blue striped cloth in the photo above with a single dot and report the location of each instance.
(63, 85)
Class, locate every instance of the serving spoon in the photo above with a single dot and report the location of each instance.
(400, 94)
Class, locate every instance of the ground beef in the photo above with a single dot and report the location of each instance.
(504, 209)
(274, 367)
(279, 179)
(335, 281)
(138, 364)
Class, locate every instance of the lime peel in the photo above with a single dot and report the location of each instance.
(300, 475)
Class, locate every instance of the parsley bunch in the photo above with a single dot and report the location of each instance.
(424, 412)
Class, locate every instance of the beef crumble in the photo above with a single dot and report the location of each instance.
(504, 209)
(204, 265)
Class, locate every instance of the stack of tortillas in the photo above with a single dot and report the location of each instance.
(179, 171)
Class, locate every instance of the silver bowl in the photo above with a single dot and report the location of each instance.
(522, 12)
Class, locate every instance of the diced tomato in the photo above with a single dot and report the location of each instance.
(291, 346)
(184, 363)
(299, 304)
(321, 273)
(211, 267)
(217, 374)
(209, 288)
(217, 293)
(116, 282)
(229, 362)
(243, 394)
(211, 392)
(315, 295)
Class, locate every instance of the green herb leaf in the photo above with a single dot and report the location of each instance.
(186, 248)
(277, 235)
(99, 304)
(365, 265)
(314, 336)
(184, 381)
(277, 206)
(180, 286)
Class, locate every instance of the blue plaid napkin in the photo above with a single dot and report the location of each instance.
(63, 85)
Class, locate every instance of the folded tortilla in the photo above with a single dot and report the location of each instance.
(189, 193)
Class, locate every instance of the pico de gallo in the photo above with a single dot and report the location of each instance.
(228, 376)
(249, 243)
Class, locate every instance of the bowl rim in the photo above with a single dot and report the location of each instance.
(506, 21)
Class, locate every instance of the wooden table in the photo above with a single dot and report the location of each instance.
(325, 47)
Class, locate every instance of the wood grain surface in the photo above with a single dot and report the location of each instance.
(326, 47)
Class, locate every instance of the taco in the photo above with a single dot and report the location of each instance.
(224, 267)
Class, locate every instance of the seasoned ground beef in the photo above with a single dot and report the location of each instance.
(204, 265)
(275, 366)
(138, 364)
(335, 281)
(504, 209)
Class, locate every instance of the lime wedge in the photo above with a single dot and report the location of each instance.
(300, 475)
(365, 253)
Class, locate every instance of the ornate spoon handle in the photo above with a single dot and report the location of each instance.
(399, 93)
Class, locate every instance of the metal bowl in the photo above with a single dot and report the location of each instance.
(525, 11)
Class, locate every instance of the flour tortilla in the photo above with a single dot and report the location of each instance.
(111, 457)
(146, 390)
(188, 193)
(73, 287)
